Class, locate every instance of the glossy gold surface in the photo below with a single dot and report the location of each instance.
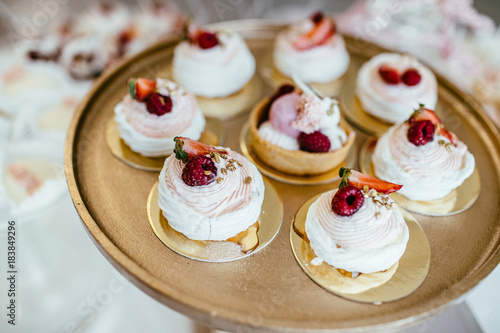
(212, 135)
(410, 273)
(268, 291)
(457, 201)
(269, 224)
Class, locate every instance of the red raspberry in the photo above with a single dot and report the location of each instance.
(199, 170)
(411, 77)
(315, 142)
(347, 201)
(317, 17)
(421, 132)
(389, 74)
(207, 40)
(159, 104)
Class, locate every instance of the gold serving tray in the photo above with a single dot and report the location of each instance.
(268, 291)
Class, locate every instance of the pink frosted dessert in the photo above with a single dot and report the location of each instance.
(153, 113)
(422, 155)
(209, 193)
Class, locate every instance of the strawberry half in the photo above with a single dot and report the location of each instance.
(359, 180)
(185, 148)
(140, 89)
(426, 114)
(318, 35)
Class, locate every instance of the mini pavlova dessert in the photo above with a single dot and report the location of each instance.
(311, 49)
(390, 85)
(358, 231)
(209, 193)
(422, 155)
(298, 132)
(213, 63)
(153, 113)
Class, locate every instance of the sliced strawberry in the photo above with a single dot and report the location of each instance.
(449, 135)
(141, 88)
(185, 148)
(359, 180)
(316, 36)
(425, 114)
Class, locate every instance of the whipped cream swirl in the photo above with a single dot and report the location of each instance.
(216, 72)
(321, 63)
(217, 211)
(360, 242)
(426, 172)
(152, 135)
(394, 102)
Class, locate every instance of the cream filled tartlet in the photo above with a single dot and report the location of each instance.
(213, 63)
(298, 132)
(358, 230)
(422, 155)
(209, 193)
(311, 49)
(153, 113)
(390, 85)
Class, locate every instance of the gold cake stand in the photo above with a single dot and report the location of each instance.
(268, 291)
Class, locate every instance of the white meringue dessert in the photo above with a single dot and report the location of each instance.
(213, 64)
(390, 85)
(311, 49)
(358, 230)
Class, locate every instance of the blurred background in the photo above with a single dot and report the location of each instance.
(50, 53)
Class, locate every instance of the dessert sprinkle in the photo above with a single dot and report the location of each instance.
(231, 167)
(223, 171)
(208, 173)
(219, 180)
(248, 180)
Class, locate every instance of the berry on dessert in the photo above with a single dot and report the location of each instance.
(199, 170)
(207, 40)
(362, 181)
(421, 132)
(204, 39)
(141, 88)
(411, 77)
(315, 142)
(389, 74)
(347, 201)
(423, 114)
(159, 104)
(185, 148)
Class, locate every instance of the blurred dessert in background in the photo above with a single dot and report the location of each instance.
(311, 49)
(390, 85)
(213, 63)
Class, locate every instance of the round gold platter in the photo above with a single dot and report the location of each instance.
(268, 291)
